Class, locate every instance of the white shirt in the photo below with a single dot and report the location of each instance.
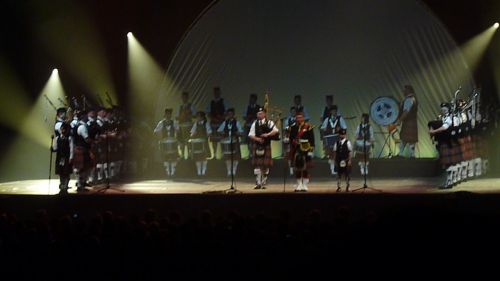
(159, 127)
(270, 124)
(82, 130)
(349, 145)
(408, 103)
(340, 119)
(447, 122)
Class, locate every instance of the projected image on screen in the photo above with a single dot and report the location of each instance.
(355, 50)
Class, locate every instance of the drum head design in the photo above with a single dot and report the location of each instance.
(384, 111)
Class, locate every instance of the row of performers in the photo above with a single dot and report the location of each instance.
(89, 143)
(298, 139)
(216, 113)
(461, 143)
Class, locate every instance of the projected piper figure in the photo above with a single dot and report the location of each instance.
(168, 129)
(408, 121)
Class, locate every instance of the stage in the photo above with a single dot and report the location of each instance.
(427, 185)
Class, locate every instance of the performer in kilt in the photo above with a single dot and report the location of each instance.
(301, 150)
(60, 120)
(262, 132)
(168, 129)
(465, 141)
(101, 145)
(93, 130)
(342, 153)
(330, 130)
(63, 147)
(81, 160)
(185, 118)
(216, 111)
(449, 149)
(231, 130)
(250, 115)
(408, 121)
(200, 132)
(363, 144)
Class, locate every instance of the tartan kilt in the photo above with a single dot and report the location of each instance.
(265, 161)
(450, 154)
(201, 156)
(81, 158)
(293, 157)
(100, 152)
(236, 154)
(466, 148)
(342, 170)
(170, 157)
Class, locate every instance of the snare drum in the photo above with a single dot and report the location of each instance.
(360, 146)
(197, 146)
(330, 140)
(168, 146)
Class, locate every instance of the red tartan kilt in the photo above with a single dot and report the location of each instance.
(265, 161)
(450, 154)
(81, 158)
(291, 155)
(466, 148)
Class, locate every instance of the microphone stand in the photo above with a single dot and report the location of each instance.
(232, 189)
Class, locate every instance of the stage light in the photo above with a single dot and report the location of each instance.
(36, 126)
(145, 76)
(496, 25)
(80, 51)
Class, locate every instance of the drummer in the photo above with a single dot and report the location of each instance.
(168, 129)
(231, 130)
(363, 144)
(185, 117)
(330, 128)
(200, 132)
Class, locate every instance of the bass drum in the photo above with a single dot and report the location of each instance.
(384, 111)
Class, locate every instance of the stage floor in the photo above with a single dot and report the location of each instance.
(425, 185)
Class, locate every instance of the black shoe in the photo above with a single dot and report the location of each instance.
(339, 189)
(258, 186)
(81, 190)
(263, 187)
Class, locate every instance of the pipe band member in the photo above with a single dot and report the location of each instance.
(301, 151)
(342, 151)
(262, 132)
(167, 128)
(200, 132)
(449, 149)
(216, 112)
(231, 130)
(185, 118)
(364, 143)
(330, 128)
(408, 120)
